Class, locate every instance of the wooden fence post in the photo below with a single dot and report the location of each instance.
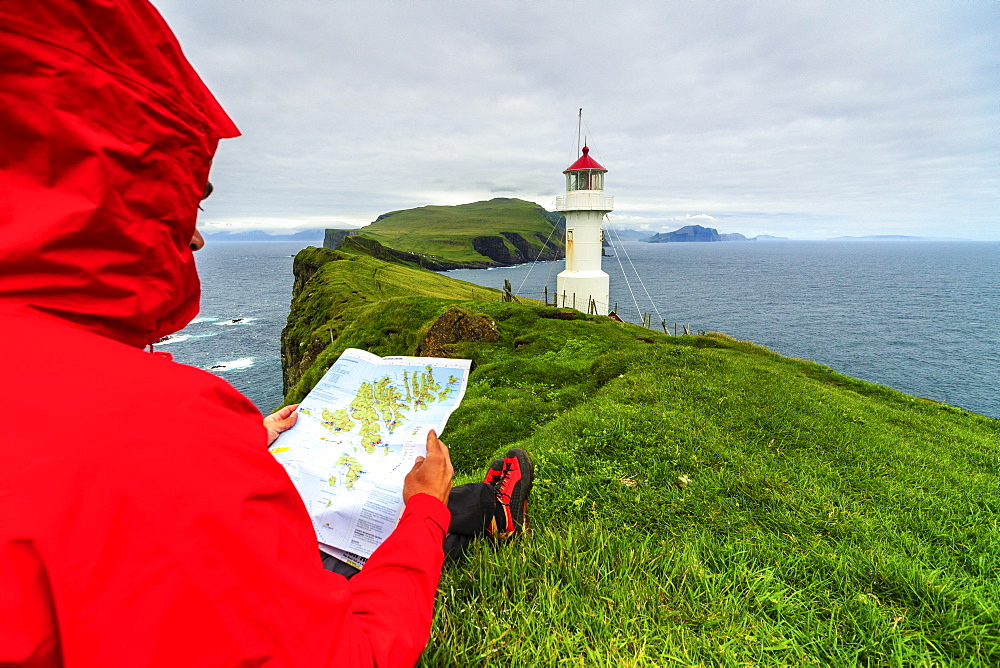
(508, 292)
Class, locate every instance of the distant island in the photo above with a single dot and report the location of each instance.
(697, 233)
(258, 235)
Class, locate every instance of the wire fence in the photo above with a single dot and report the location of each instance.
(621, 311)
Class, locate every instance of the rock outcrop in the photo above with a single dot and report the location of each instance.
(456, 326)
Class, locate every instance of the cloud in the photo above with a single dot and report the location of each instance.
(281, 224)
(864, 115)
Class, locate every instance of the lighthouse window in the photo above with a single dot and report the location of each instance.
(585, 180)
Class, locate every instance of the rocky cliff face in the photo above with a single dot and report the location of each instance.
(432, 262)
(299, 351)
(495, 249)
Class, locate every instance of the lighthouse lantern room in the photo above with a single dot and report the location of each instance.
(583, 285)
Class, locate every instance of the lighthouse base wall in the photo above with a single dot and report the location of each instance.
(575, 289)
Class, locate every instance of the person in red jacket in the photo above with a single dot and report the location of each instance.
(142, 520)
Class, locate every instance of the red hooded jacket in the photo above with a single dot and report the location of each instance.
(142, 520)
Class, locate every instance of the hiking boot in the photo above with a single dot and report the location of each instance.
(511, 479)
(495, 473)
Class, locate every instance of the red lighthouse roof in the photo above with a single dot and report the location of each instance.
(585, 162)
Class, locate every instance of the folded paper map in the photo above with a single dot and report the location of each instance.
(358, 433)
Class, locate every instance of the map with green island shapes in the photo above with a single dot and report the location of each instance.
(354, 471)
(380, 407)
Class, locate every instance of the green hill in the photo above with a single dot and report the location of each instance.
(699, 500)
(481, 234)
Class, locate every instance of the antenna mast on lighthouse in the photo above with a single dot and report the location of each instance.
(579, 124)
(583, 285)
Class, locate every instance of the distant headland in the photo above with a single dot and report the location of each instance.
(498, 232)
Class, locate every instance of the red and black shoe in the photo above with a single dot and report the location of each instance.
(511, 479)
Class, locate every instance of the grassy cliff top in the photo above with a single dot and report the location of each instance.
(448, 232)
(699, 500)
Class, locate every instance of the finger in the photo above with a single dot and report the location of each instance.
(282, 423)
(280, 414)
(435, 446)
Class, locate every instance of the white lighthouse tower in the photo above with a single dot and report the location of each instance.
(583, 285)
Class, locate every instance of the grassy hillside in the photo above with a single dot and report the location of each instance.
(699, 500)
(499, 231)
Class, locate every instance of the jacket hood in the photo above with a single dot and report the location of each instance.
(106, 138)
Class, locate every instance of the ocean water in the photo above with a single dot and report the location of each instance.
(246, 289)
(922, 317)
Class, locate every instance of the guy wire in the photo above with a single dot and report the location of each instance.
(635, 271)
(627, 283)
(532, 267)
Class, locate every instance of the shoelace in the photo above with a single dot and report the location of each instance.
(498, 483)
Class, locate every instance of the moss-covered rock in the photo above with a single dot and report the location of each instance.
(456, 325)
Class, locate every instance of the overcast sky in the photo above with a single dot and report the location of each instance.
(798, 119)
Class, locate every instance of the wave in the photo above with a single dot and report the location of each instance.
(178, 338)
(234, 365)
(203, 318)
(236, 321)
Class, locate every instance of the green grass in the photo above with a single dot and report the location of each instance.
(827, 521)
(446, 232)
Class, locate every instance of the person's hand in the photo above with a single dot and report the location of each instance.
(431, 474)
(280, 421)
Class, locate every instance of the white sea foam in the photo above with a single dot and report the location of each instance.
(234, 365)
(203, 318)
(177, 338)
(236, 321)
